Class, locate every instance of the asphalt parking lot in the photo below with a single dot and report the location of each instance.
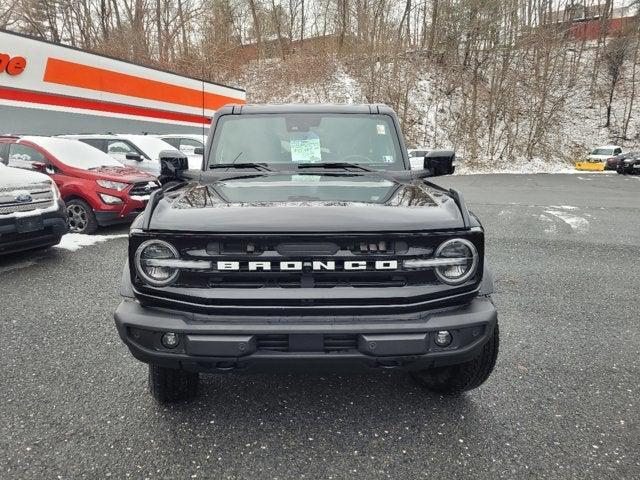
(563, 401)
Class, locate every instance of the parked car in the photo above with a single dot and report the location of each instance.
(152, 146)
(598, 157)
(97, 189)
(187, 143)
(613, 162)
(601, 154)
(191, 144)
(138, 151)
(306, 242)
(116, 147)
(32, 214)
(630, 164)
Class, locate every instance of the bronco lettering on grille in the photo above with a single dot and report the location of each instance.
(316, 265)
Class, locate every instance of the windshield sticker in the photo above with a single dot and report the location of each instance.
(381, 130)
(387, 158)
(306, 150)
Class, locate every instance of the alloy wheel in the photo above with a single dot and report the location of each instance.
(78, 218)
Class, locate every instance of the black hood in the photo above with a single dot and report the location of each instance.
(303, 203)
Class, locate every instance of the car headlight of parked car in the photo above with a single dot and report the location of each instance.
(119, 186)
(155, 262)
(454, 261)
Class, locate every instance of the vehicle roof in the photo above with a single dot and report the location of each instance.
(89, 135)
(306, 108)
(181, 135)
(607, 146)
(134, 135)
(43, 138)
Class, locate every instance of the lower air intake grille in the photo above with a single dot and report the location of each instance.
(274, 343)
(331, 343)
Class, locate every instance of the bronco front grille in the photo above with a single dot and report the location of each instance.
(239, 253)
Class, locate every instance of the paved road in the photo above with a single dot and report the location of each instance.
(562, 403)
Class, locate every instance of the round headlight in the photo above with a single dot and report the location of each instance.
(459, 261)
(151, 262)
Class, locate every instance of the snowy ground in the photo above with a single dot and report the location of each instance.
(76, 241)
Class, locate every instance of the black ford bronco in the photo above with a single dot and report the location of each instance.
(305, 241)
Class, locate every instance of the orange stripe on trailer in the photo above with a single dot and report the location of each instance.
(85, 104)
(73, 74)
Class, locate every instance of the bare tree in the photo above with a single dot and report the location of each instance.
(614, 57)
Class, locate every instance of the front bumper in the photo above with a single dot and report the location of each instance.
(106, 218)
(113, 214)
(14, 239)
(350, 342)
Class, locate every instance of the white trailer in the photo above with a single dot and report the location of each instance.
(49, 89)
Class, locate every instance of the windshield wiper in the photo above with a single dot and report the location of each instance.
(257, 166)
(338, 165)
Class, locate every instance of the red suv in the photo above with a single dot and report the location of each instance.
(97, 189)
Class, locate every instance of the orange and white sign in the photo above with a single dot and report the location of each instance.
(38, 74)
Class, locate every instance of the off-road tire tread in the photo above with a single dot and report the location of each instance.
(466, 376)
(168, 385)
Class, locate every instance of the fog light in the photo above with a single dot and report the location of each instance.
(110, 199)
(443, 338)
(170, 340)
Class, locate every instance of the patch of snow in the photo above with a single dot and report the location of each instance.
(550, 225)
(515, 166)
(76, 241)
(563, 207)
(577, 224)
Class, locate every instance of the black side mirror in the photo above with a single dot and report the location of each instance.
(172, 165)
(440, 162)
(198, 151)
(133, 156)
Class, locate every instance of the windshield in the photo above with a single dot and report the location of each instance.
(307, 138)
(75, 153)
(151, 146)
(602, 151)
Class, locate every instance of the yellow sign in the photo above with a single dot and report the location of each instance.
(590, 166)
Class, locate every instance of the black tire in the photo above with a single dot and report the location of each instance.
(82, 219)
(455, 379)
(168, 385)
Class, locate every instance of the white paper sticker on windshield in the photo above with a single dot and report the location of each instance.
(306, 150)
(381, 130)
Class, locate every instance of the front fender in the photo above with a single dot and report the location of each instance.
(486, 286)
(126, 290)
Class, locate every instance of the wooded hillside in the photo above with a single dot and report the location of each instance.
(499, 80)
